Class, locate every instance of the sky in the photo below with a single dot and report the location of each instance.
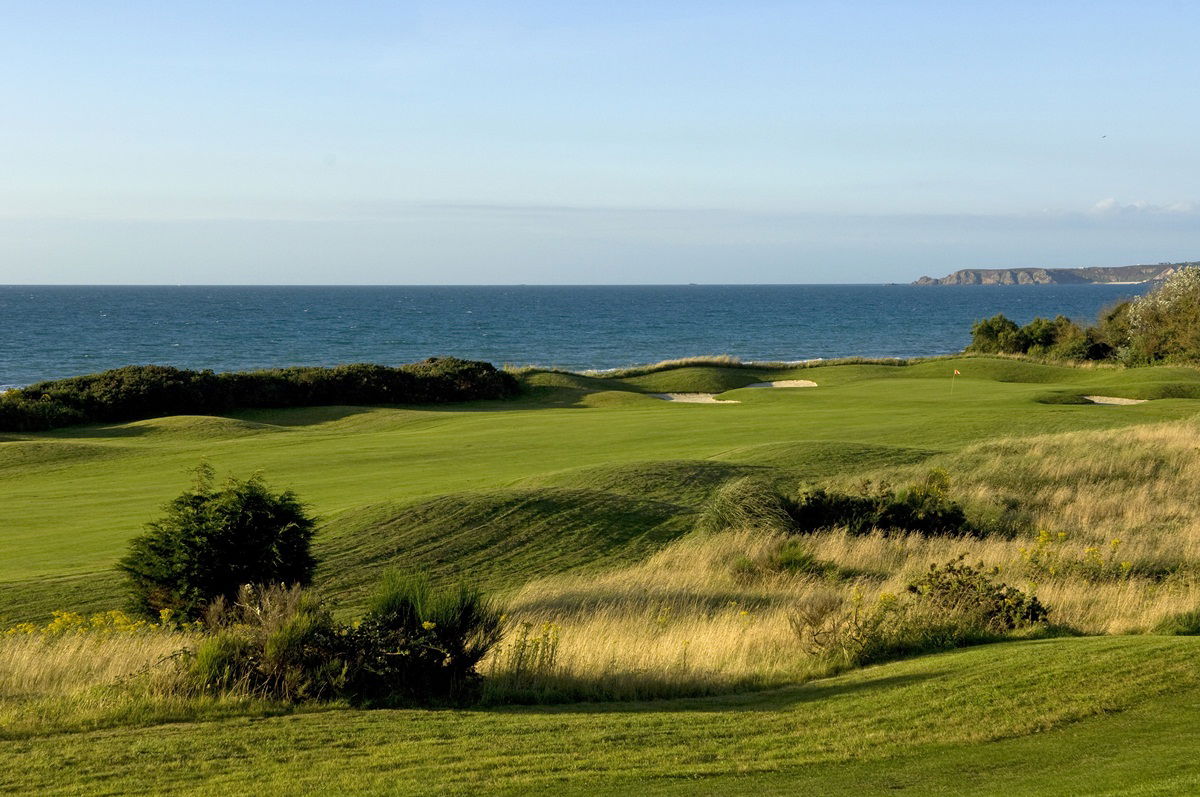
(609, 142)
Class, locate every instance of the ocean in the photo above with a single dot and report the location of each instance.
(56, 331)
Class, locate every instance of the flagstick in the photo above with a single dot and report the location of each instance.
(953, 376)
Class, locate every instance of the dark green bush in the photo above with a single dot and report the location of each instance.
(751, 503)
(212, 541)
(274, 641)
(819, 508)
(922, 507)
(415, 643)
(793, 558)
(952, 606)
(1160, 326)
(957, 587)
(414, 646)
(148, 391)
(1041, 337)
(994, 335)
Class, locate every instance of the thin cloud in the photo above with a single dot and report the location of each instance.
(1113, 207)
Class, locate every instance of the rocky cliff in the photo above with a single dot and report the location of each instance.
(1093, 275)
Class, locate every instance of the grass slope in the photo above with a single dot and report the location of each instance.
(1064, 716)
(498, 538)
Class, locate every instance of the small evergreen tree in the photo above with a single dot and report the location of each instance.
(212, 541)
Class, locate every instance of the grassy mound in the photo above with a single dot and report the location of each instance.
(25, 454)
(812, 458)
(499, 539)
(192, 427)
(708, 379)
(683, 482)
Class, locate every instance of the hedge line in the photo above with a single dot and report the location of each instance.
(136, 392)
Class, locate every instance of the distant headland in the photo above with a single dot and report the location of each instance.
(1092, 275)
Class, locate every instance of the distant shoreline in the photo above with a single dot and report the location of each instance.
(1090, 275)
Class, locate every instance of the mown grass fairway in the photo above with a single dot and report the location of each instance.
(576, 503)
(71, 499)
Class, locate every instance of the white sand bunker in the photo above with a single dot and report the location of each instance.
(786, 383)
(1114, 400)
(693, 398)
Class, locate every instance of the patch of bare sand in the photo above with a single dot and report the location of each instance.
(786, 383)
(1114, 400)
(693, 398)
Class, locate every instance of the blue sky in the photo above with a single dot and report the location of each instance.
(521, 142)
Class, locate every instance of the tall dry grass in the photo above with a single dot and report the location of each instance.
(682, 622)
(1134, 484)
(78, 675)
(39, 664)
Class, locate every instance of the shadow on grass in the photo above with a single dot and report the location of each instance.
(568, 603)
(264, 418)
(580, 696)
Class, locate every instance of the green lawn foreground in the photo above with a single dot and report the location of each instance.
(1110, 715)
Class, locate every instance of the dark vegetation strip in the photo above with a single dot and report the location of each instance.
(137, 392)
(1162, 326)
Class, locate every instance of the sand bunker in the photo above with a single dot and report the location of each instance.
(1113, 400)
(693, 398)
(786, 383)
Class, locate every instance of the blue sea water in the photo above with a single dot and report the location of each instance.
(51, 332)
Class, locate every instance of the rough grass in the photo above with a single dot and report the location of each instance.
(712, 614)
(81, 681)
(1107, 534)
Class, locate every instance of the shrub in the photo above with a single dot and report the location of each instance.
(212, 541)
(823, 509)
(921, 507)
(1043, 337)
(924, 507)
(1165, 323)
(994, 335)
(415, 645)
(750, 503)
(1048, 557)
(746, 503)
(273, 641)
(952, 606)
(1160, 326)
(957, 587)
(147, 391)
